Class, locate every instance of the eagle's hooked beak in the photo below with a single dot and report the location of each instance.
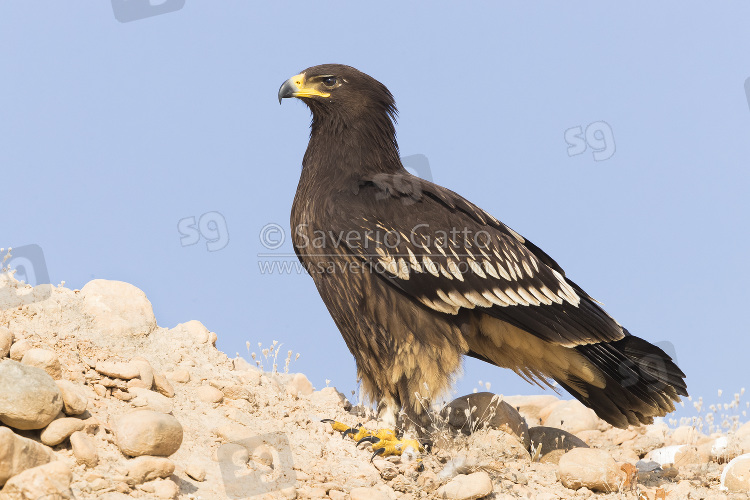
(296, 86)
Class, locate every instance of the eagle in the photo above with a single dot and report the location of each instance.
(416, 276)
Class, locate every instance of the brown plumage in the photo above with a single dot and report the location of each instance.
(416, 276)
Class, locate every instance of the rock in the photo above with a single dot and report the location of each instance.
(531, 407)
(6, 340)
(466, 487)
(551, 438)
(236, 392)
(146, 432)
(572, 416)
(209, 394)
(494, 444)
(299, 385)
(165, 489)
(196, 472)
(368, 494)
(488, 410)
(29, 397)
(84, 449)
(663, 456)
(595, 469)
(19, 348)
(118, 309)
(19, 453)
(330, 397)
(59, 430)
(49, 481)
(45, 359)
(179, 375)
(736, 475)
(74, 397)
(194, 331)
(145, 373)
(149, 400)
(163, 386)
(148, 468)
(125, 371)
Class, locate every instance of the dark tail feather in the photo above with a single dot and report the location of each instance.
(642, 381)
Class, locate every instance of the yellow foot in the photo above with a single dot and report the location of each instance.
(384, 441)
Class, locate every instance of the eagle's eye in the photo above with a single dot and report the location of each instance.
(329, 81)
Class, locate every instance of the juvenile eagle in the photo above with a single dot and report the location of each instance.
(416, 276)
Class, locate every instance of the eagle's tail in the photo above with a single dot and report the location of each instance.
(642, 381)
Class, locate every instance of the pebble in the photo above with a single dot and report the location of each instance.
(299, 385)
(736, 475)
(19, 348)
(59, 430)
(6, 340)
(163, 386)
(209, 394)
(51, 480)
(84, 449)
(195, 331)
(179, 375)
(196, 472)
(74, 397)
(466, 487)
(29, 397)
(45, 359)
(595, 469)
(572, 416)
(125, 371)
(146, 432)
(149, 400)
(161, 488)
(488, 410)
(20, 453)
(237, 392)
(147, 468)
(145, 373)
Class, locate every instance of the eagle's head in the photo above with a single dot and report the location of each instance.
(337, 90)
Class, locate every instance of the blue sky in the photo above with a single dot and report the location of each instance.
(615, 137)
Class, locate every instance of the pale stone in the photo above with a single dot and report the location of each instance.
(6, 341)
(59, 430)
(29, 397)
(736, 475)
(195, 331)
(179, 375)
(531, 407)
(146, 432)
(19, 348)
(166, 489)
(149, 400)
(466, 487)
(145, 372)
(572, 416)
(19, 453)
(148, 468)
(329, 396)
(45, 359)
(51, 480)
(591, 468)
(236, 392)
(74, 397)
(196, 472)
(118, 309)
(114, 369)
(209, 394)
(84, 449)
(299, 385)
(163, 386)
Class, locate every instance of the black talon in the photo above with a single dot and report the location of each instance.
(328, 420)
(368, 439)
(377, 452)
(351, 430)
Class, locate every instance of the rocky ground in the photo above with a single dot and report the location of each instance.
(99, 402)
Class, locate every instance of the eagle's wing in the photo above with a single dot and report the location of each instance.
(448, 254)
